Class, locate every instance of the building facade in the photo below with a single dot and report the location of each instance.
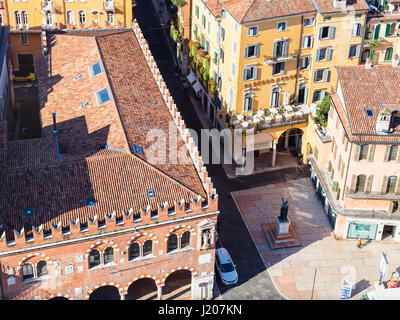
(360, 200)
(115, 223)
(27, 19)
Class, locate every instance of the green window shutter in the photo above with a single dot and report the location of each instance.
(335, 186)
(371, 54)
(329, 166)
(386, 156)
(369, 184)
(376, 35)
(357, 150)
(371, 153)
(353, 183)
(384, 184)
(387, 32)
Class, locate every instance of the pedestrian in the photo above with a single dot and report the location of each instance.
(359, 243)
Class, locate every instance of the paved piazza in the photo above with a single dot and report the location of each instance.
(292, 269)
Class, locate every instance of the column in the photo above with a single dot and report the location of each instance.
(273, 154)
(159, 292)
(287, 134)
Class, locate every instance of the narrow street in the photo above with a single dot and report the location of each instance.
(254, 280)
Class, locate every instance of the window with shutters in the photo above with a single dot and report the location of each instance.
(280, 49)
(250, 73)
(307, 41)
(281, 26)
(253, 31)
(248, 102)
(318, 95)
(329, 166)
(391, 184)
(321, 75)
(197, 11)
(363, 152)
(326, 33)
(251, 51)
(278, 68)
(354, 51)
(390, 29)
(389, 54)
(304, 63)
(393, 153)
(309, 22)
(275, 97)
(360, 184)
(203, 21)
(376, 30)
(356, 31)
(324, 54)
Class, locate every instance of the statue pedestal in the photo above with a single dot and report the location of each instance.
(281, 234)
(282, 227)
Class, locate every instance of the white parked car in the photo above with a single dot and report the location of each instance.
(225, 267)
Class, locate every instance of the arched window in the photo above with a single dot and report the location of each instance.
(391, 184)
(17, 17)
(82, 18)
(134, 251)
(94, 258)
(110, 17)
(172, 243)
(41, 268)
(49, 18)
(24, 17)
(95, 16)
(275, 97)
(27, 271)
(185, 240)
(388, 54)
(147, 248)
(70, 17)
(248, 102)
(108, 255)
(360, 185)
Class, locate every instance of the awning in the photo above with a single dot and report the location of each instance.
(261, 141)
(191, 77)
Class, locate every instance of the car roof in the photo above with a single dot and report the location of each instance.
(223, 255)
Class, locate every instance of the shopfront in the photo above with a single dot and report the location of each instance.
(366, 231)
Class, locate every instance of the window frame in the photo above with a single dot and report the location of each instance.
(107, 255)
(281, 69)
(281, 22)
(254, 34)
(97, 93)
(91, 265)
(176, 246)
(130, 249)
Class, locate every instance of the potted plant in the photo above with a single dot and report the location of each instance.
(212, 87)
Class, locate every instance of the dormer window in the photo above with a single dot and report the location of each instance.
(103, 96)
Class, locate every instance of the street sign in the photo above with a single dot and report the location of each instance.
(383, 266)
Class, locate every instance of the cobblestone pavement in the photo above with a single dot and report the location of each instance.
(292, 269)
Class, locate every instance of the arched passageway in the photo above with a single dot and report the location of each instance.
(178, 285)
(105, 293)
(142, 289)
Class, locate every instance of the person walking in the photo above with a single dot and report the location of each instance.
(359, 242)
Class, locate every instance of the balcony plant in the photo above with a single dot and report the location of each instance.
(212, 87)
(178, 3)
(322, 112)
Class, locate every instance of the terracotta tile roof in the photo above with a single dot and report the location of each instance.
(367, 89)
(117, 179)
(326, 6)
(29, 153)
(214, 6)
(384, 16)
(135, 96)
(254, 10)
(58, 192)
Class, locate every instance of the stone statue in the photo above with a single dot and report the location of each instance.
(206, 238)
(284, 210)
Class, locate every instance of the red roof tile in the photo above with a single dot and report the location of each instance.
(326, 6)
(367, 89)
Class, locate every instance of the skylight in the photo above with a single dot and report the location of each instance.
(84, 105)
(103, 96)
(153, 101)
(90, 202)
(95, 69)
(150, 194)
(369, 112)
(137, 149)
(29, 212)
(78, 77)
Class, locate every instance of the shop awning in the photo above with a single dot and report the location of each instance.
(261, 141)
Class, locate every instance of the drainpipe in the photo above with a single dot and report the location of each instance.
(298, 55)
(347, 171)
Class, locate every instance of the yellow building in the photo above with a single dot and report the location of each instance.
(28, 18)
(273, 59)
(384, 28)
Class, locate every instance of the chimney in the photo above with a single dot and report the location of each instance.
(383, 121)
(368, 63)
(395, 61)
(339, 4)
(55, 134)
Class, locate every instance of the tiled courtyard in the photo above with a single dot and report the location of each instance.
(292, 269)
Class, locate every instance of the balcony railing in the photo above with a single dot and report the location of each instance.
(273, 117)
(109, 5)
